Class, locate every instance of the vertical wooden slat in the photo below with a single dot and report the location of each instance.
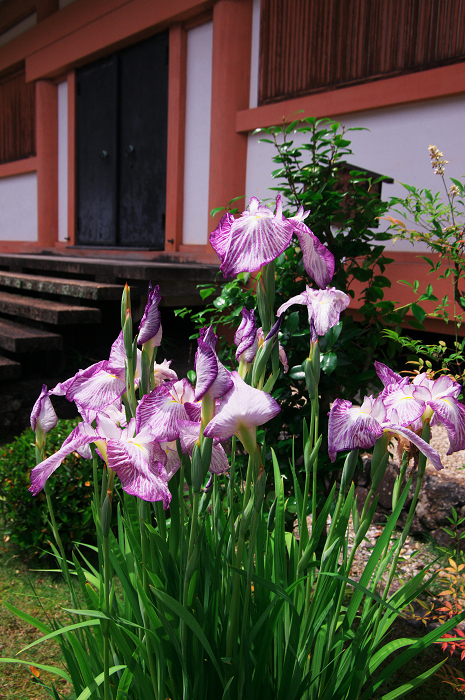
(17, 114)
(309, 45)
(176, 137)
(72, 158)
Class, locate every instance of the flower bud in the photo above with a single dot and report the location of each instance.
(125, 303)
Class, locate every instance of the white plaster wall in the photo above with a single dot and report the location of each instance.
(253, 98)
(18, 205)
(63, 161)
(395, 145)
(197, 135)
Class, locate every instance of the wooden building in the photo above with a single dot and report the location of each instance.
(124, 122)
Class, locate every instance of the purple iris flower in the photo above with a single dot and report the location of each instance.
(324, 306)
(352, 427)
(212, 377)
(150, 325)
(164, 407)
(441, 397)
(258, 236)
(138, 460)
(79, 438)
(240, 412)
(436, 399)
(43, 416)
(93, 388)
(246, 337)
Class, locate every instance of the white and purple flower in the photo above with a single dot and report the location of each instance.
(212, 376)
(162, 409)
(240, 412)
(43, 416)
(137, 459)
(258, 237)
(352, 427)
(150, 325)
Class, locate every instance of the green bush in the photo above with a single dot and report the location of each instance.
(24, 516)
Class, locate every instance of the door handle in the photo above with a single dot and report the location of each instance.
(129, 151)
(103, 154)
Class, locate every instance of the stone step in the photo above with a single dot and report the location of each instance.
(15, 337)
(52, 312)
(81, 289)
(9, 369)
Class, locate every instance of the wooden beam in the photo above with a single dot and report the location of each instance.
(71, 40)
(14, 11)
(388, 92)
(45, 8)
(232, 41)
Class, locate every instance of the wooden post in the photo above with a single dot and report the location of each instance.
(47, 162)
(232, 41)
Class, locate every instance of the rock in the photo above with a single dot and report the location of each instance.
(440, 492)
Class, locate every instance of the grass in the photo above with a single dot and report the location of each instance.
(17, 582)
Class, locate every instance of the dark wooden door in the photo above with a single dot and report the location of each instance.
(121, 147)
(144, 114)
(96, 140)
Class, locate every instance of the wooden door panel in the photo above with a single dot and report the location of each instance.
(96, 150)
(142, 143)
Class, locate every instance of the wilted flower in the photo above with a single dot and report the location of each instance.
(189, 436)
(324, 306)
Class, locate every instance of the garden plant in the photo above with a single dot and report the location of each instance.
(200, 591)
(439, 222)
(343, 211)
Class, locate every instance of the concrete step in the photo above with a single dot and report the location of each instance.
(15, 337)
(52, 312)
(9, 369)
(80, 289)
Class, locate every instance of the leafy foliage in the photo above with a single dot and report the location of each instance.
(439, 222)
(24, 516)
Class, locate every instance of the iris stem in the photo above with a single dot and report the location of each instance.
(426, 435)
(234, 614)
(144, 518)
(107, 576)
(187, 578)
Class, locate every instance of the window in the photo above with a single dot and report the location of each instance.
(17, 109)
(314, 45)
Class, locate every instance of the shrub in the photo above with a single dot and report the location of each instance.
(24, 517)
